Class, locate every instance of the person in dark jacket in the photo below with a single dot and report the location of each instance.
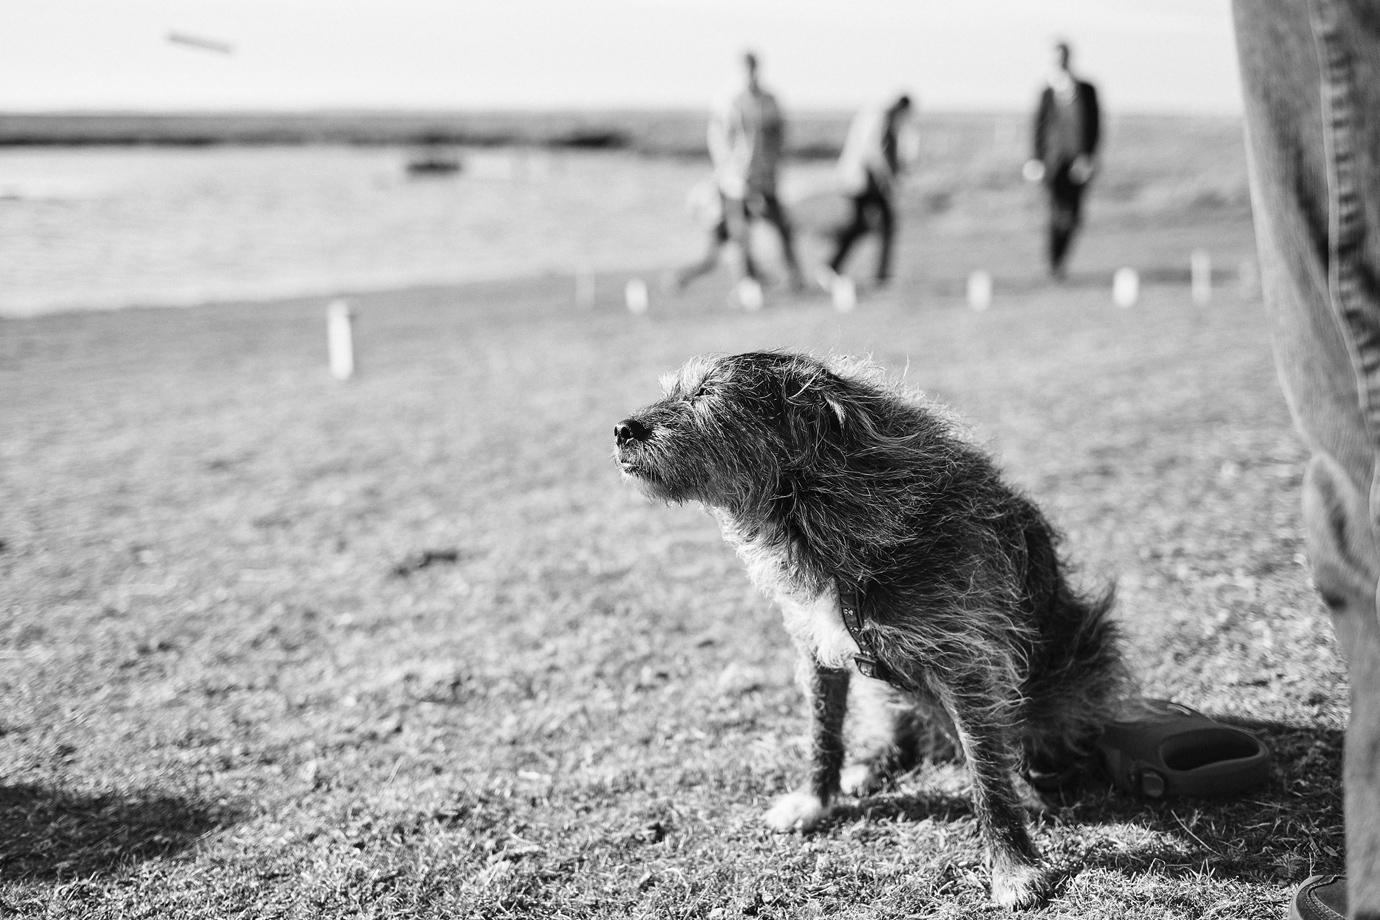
(1067, 130)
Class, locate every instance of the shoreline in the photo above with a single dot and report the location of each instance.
(815, 133)
(673, 132)
(507, 286)
(551, 283)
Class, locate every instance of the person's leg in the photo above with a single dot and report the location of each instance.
(1063, 217)
(849, 234)
(1075, 213)
(886, 232)
(776, 216)
(718, 236)
(738, 214)
(1311, 79)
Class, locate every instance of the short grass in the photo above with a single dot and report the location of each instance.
(229, 687)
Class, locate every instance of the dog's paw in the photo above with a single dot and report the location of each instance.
(1019, 887)
(801, 810)
(863, 779)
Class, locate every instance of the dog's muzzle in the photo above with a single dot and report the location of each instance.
(628, 435)
(629, 430)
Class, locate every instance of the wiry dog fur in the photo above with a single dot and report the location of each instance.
(821, 475)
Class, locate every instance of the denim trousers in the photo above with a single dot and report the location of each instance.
(1311, 80)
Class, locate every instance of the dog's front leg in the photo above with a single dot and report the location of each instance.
(1018, 878)
(827, 690)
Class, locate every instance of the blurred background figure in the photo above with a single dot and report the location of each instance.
(746, 142)
(881, 145)
(1067, 130)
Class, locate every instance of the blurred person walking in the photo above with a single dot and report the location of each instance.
(881, 144)
(1067, 131)
(746, 142)
(1311, 80)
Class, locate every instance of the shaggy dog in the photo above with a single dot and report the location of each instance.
(891, 544)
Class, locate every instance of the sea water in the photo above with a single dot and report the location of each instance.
(92, 228)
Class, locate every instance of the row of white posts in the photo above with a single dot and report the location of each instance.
(1125, 287)
(1125, 293)
(1126, 283)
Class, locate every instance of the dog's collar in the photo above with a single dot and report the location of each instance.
(851, 608)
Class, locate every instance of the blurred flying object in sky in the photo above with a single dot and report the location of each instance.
(201, 44)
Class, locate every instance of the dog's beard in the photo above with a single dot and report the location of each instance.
(658, 479)
(627, 461)
(636, 467)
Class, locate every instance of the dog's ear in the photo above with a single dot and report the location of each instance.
(814, 414)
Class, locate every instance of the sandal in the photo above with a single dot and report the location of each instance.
(1173, 750)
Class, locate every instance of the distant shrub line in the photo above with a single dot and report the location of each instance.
(661, 133)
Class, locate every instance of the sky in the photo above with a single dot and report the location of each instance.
(1144, 55)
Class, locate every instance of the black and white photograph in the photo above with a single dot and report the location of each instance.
(690, 459)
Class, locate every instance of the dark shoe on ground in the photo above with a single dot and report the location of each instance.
(1321, 897)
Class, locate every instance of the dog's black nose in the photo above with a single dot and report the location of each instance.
(630, 429)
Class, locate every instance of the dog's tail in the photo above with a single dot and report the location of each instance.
(1081, 681)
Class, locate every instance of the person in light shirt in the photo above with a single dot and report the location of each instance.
(746, 142)
(880, 146)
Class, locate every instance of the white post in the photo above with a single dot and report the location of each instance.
(1125, 287)
(635, 294)
(979, 290)
(749, 292)
(844, 293)
(585, 286)
(340, 339)
(1200, 270)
